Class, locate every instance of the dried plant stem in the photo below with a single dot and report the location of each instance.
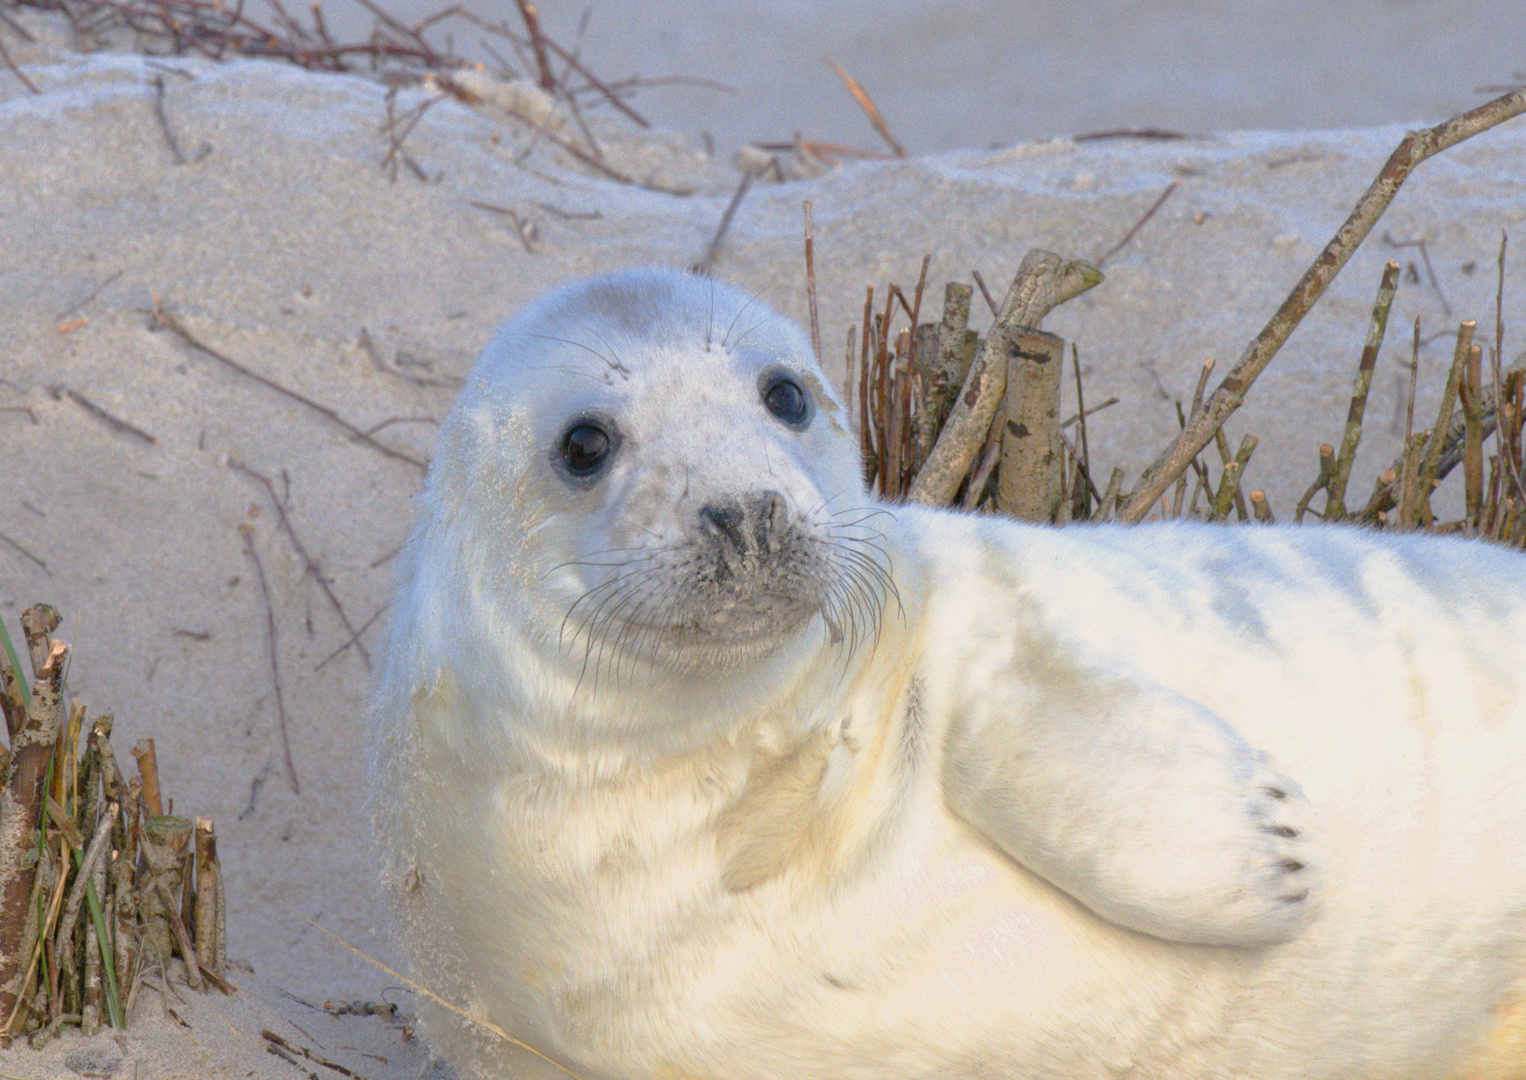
(1148, 214)
(211, 952)
(531, 17)
(1221, 442)
(100, 842)
(1110, 494)
(865, 431)
(1335, 500)
(1471, 392)
(1432, 458)
(1043, 282)
(1262, 508)
(148, 771)
(1230, 394)
(164, 121)
(1229, 486)
(1322, 482)
(1409, 476)
(37, 625)
(867, 104)
(182, 938)
(1085, 458)
(810, 282)
(5, 58)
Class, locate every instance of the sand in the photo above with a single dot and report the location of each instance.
(289, 249)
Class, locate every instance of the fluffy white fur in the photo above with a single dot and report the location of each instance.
(1164, 802)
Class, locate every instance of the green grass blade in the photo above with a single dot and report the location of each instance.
(108, 956)
(10, 651)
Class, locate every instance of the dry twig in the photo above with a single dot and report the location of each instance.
(708, 262)
(275, 663)
(865, 103)
(314, 571)
(171, 322)
(1148, 214)
(1230, 394)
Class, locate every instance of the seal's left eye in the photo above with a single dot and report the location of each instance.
(786, 399)
(585, 448)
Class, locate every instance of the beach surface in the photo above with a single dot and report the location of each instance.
(228, 336)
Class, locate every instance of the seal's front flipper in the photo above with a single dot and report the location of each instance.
(1140, 803)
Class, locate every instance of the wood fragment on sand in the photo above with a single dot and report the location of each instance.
(1030, 483)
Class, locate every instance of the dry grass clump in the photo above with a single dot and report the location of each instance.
(947, 417)
(99, 885)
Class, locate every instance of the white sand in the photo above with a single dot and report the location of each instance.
(286, 248)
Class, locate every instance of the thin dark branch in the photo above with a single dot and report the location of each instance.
(704, 265)
(71, 309)
(115, 423)
(1425, 257)
(593, 81)
(1130, 133)
(25, 554)
(314, 571)
(537, 43)
(5, 57)
(172, 323)
(275, 664)
(1148, 214)
(990, 301)
(571, 215)
(354, 640)
(164, 122)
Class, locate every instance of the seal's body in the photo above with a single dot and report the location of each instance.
(693, 762)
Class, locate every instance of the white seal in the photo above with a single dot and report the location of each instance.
(692, 761)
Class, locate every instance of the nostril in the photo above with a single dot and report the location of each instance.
(723, 519)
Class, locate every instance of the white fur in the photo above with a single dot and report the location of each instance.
(1018, 829)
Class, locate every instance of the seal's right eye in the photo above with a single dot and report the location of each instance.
(585, 448)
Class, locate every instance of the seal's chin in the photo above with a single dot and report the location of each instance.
(720, 640)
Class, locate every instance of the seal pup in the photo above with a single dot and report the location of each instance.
(692, 761)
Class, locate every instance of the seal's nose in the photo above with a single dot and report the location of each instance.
(755, 522)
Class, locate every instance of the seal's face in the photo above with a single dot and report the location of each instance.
(686, 491)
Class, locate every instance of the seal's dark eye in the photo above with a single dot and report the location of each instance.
(585, 448)
(786, 400)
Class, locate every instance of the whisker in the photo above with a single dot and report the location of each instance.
(738, 315)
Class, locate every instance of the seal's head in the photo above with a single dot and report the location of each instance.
(646, 481)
